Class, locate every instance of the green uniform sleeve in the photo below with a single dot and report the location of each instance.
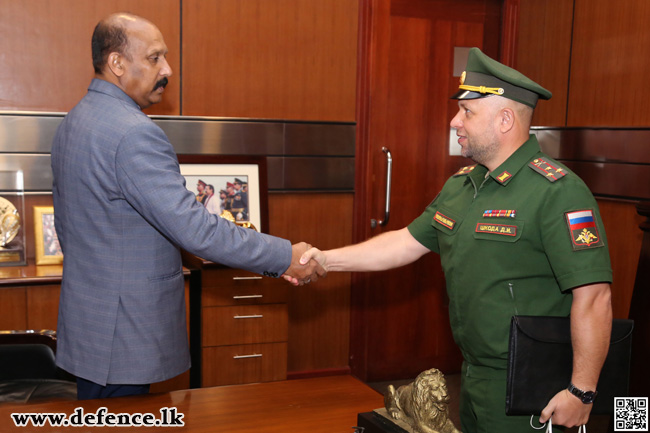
(422, 230)
(577, 252)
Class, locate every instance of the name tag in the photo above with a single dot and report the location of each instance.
(497, 229)
(444, 220)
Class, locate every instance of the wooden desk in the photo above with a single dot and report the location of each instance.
(327, 405)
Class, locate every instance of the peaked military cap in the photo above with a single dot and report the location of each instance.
(484, 76)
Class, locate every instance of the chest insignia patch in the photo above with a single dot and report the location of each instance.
(503, 177)
(496, 229)
(465, 170)
(544, 167)
(501, 213)
(583, 230)
(444, 220)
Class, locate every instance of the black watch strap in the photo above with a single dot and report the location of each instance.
(587, 397)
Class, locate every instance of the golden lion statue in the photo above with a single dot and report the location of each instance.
(422, 404)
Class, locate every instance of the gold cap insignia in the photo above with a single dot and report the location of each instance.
(462, 77)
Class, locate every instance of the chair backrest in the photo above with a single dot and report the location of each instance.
(42, 336)
(27, 361)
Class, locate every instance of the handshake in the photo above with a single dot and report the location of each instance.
(307, 265)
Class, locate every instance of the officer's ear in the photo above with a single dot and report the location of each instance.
(115, 64)
(506, 119)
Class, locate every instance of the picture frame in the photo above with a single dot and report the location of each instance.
(48, 250)
(247, 200)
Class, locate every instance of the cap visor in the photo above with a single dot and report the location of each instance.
(466, 94)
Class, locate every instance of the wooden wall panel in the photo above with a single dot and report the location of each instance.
(281, 59)
(46, 56)
(610, 65)
(624, 236)
(543, 54)
(319, 313)
(13, 302)
(43, 307)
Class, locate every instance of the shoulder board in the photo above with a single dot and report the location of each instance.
(465, 170)
(547, 168)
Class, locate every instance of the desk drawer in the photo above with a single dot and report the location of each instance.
(246, 324)
(230, 365)
(236, 287)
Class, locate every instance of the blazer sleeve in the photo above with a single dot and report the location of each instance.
(149, 177)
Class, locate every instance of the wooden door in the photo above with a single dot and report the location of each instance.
(399, 318)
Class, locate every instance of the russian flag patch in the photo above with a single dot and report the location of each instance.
(583, 230)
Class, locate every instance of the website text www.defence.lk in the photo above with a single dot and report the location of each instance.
(169, 417)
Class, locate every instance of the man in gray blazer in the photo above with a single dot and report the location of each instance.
(123, 213)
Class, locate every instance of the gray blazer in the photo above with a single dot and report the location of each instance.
(122, 213)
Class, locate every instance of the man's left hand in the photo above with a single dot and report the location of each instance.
(567, 410)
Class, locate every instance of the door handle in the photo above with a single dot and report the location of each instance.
(389, 171)
(254, 355)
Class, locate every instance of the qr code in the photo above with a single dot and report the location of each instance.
(631, 414)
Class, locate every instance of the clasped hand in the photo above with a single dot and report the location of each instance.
(303, 272)
(567, 410)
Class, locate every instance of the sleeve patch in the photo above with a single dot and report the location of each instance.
(582, 229)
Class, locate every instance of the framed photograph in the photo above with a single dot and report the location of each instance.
(231, 186)
(48, 250)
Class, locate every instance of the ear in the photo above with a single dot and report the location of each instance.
(115, 64)
(506, 119)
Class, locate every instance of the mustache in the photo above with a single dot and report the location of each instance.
(161, 83)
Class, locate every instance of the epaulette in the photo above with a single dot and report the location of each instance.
(465, 170)
(544, 167)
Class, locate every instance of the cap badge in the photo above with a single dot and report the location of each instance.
(462, 77)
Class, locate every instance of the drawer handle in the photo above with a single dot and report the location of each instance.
(252, 316)
(247, 296)
(246, 278)
(255, 355)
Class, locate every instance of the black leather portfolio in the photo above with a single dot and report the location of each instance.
(540, 362)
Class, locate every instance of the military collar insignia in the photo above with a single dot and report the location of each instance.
(465, 170)
(503, 177)
(547, 168)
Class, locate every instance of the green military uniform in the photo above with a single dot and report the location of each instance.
(511, 241)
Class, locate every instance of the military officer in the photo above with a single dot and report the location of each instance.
(517, 233)
(201, 195)
(240, 201)
(225, 201)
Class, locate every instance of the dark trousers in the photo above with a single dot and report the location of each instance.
(87, 390)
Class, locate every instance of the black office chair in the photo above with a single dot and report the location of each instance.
(27, 368)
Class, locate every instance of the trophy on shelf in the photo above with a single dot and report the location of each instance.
(9, 222)
(12, 206)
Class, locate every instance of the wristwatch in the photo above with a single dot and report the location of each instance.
(587, 397)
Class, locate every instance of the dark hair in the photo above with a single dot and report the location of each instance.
(108, 38)
(211, 188)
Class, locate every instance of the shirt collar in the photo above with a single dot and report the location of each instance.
(506, 171)
(103, 86)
